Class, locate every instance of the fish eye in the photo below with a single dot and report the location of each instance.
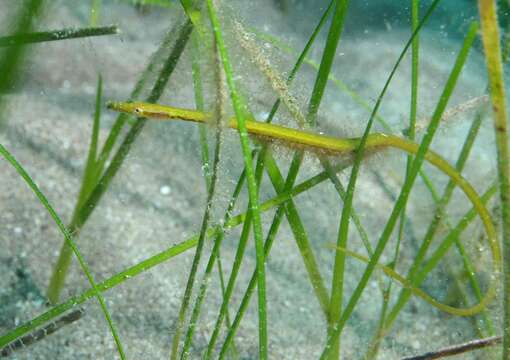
(138, 110)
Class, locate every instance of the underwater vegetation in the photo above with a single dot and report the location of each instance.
(296, 214)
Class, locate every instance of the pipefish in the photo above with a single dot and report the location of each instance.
(297, 138)
(337, 146)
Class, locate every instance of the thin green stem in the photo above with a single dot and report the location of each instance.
(214, 175)
(62, 265)
(237, 262)
(199, 103)
(404, 194)
(253, 281)
(196, 260)
(328, 57)
(250, 176)
(415, 51)
(68, 238)
(11, 59)
(297, 227)
(95, 12)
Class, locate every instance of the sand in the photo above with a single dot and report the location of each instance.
(158, 197)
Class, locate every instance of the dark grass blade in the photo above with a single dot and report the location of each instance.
(57, 35)
(91, 172)
(41, 333)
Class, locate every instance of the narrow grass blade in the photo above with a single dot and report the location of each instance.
(215, 257)
(90, 179)
(205, 223)
(250, 176)
(409, 180)
(176, 49)
(91, 173)
(328, 55)
(68, 238)
(491, 43)
(57, 35)
(247, 223)
(95, 12)
(253, 281)
(299, 230)
(11, 59)
(196, 260)
(415, 48)
(199, 103)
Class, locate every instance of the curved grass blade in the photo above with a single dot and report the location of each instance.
(433, 226)
(408, 285)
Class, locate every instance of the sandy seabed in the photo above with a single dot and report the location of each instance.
(157, 198)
